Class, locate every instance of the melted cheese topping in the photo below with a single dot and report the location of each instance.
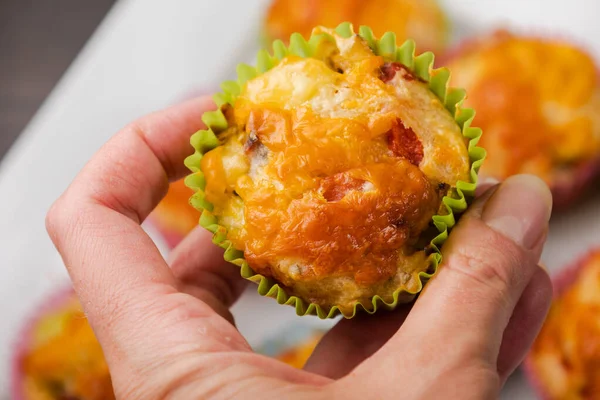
(566, 354)
(537, 101)
(421, 20)
(334, 174)
(64, 359)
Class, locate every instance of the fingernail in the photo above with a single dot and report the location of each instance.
(488, 181)
(520, 209)
(484, 185)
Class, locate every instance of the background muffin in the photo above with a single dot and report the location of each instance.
(564, 362)
(58, 356)
(538, 101)
(421, 20)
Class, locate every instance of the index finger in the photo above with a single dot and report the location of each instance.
(95, 224)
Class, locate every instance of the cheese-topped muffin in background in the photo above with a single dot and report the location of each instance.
(421, 20)
(564, 362)
(59, 357)
(330, 170)
(173, 217)
(538, 102)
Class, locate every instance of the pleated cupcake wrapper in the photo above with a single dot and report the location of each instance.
(454, 204)
(575, 186)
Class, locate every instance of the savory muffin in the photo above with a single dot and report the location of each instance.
(538, 102)
(329, 169)
(421, 20)
(59, 357)
(564, 362)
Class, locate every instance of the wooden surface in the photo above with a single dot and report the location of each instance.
(38, 41)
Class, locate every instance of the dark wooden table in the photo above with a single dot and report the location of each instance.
(38, 41)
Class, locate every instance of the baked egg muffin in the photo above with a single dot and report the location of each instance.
(59, 356)
(421, 20)
(328, 169)
(538, 102)
(564, 362)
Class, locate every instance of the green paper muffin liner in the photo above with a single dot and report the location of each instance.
(455, 203)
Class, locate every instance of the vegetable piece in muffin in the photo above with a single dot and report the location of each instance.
(565, 359)
(329, 173)
(538, 102)
(60, 357)
(421, 20)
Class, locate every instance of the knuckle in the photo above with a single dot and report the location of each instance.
(57, 220)
(53, 218)
(139, 131)
(65, 220)
(122, 179)
(491, 260)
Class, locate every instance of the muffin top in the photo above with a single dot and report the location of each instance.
(333, 165)
(421, 20)
(63, 359)
(538, 102)
(566, 354)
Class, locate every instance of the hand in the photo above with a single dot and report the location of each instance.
(167, 333)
